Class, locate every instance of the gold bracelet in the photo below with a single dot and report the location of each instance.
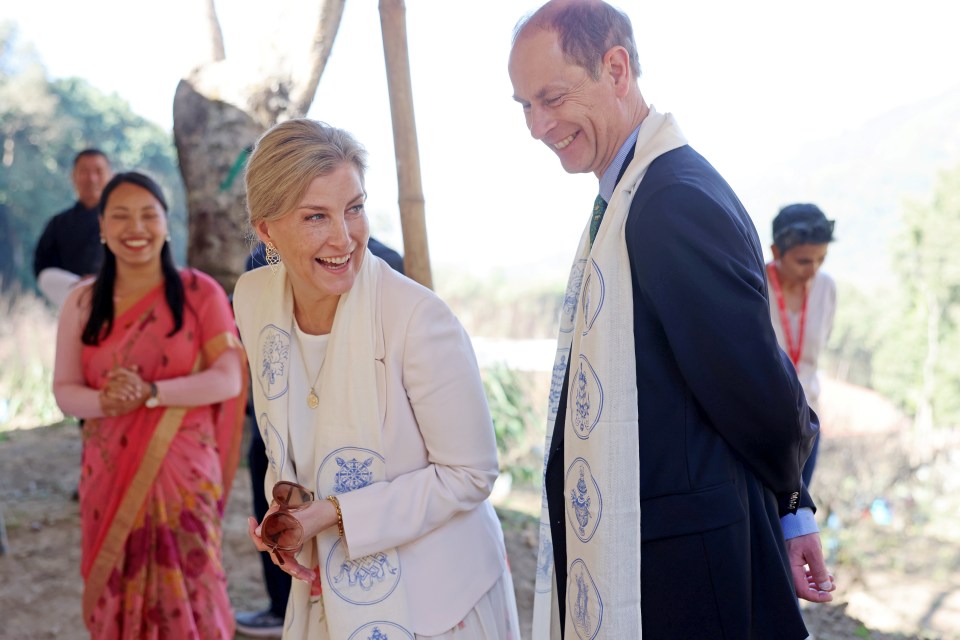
(336, 505)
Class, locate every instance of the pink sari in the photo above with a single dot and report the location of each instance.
(154, 482)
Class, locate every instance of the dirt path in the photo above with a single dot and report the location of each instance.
(40, 587)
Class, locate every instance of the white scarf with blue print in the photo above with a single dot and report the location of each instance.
(601, 438)
(362, 598)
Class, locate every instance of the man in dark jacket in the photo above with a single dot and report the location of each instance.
(703, 428)
(69, 247)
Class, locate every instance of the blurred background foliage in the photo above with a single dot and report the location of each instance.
(903, 340)
(516, 423)
(899, 338)
(897, 329)
(43, 124)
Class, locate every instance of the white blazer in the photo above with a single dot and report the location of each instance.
(440, 450)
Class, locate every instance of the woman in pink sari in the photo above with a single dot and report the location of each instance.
(148, 356)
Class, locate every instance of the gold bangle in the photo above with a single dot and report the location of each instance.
(336, 505)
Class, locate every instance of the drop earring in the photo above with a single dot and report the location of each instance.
(273, 258)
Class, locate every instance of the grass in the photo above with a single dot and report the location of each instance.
(28, 336)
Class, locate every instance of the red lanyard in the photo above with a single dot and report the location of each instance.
(793, 352)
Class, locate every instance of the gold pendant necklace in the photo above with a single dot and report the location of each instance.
(313, 400)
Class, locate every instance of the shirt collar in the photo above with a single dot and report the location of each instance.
(608, 182)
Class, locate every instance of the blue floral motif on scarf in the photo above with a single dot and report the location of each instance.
(585, 504)
(594, 291)
(362, 581)
(379, 630)
(556, 383)
(545, 563)
(570, 297)
(347, 469)
(583, 601)
(273, 351)
(273, 444)
(587, 393)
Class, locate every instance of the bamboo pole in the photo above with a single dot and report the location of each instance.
(416, 253)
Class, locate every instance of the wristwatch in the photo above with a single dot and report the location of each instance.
(152, 401)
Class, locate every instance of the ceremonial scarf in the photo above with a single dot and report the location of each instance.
(361, 597)
(601, 434)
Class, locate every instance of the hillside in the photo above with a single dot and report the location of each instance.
(862, 179)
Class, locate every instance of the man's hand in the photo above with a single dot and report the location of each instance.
(810, 576)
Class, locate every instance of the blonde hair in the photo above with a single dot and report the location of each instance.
(288, 157)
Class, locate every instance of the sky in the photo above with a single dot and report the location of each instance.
(748, 81)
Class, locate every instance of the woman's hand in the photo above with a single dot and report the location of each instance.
(286, 560)
(124, 391)
(314, 518)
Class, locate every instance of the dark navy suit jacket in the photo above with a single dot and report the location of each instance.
(724, 426)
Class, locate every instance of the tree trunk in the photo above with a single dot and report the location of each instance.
(416, 253)
(211, 137)
(221, 109)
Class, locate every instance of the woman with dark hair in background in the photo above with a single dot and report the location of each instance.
(148, 356)
(803, 298)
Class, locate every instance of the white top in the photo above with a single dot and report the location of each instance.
(301, 440)
(56, 284)
(821, 307)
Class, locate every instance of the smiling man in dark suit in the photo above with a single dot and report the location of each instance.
(671, 397)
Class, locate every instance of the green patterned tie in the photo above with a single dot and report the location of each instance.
(599, 206)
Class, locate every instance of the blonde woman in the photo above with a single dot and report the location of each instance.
(368, 397)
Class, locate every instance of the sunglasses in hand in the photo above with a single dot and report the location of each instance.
(281, 531)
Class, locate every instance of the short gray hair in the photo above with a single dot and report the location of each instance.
(586, 30)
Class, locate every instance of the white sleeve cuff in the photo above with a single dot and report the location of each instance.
(56, 284)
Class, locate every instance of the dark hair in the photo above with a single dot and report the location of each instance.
(100, 322)
(798, 224)
(91, 152)
(586, 31)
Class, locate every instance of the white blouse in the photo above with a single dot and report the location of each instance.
(304, 372)
(821, 307)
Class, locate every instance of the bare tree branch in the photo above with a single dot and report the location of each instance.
(305, 88)
(216, 34)
(221, 108)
